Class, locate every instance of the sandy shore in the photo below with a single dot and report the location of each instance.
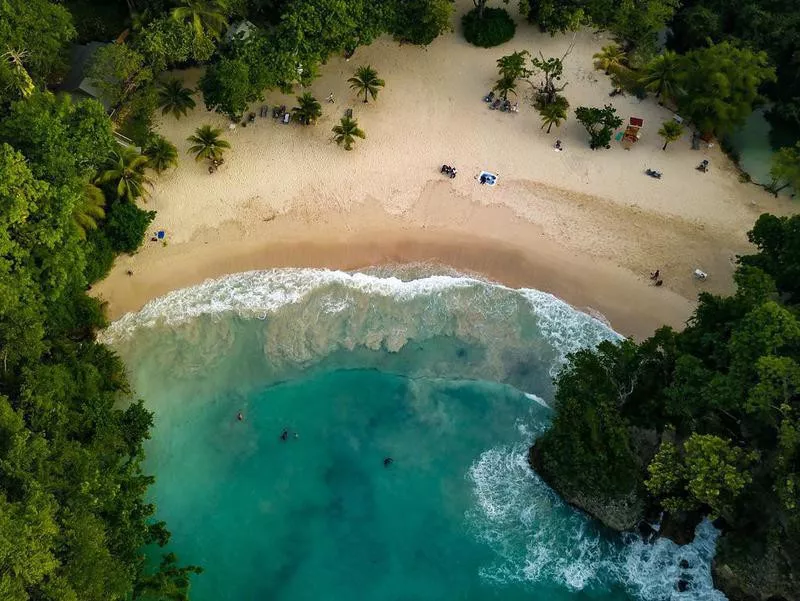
(586, 225)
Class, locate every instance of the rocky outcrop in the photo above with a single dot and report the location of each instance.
(620, 513)
(747, 569)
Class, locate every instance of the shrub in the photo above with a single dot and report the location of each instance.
(126, 225)
(495, 28)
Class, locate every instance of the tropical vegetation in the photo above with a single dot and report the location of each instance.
(487, 27)
(126, 172)
(704, 422)
(308, 109)
(346, 132)
(554, 113)
(366, 81)
(174, 98)
(670, 131)
(207, 143)
(600, 123)
(161, 154)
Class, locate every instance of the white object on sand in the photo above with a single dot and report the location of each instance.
(700, 275)
(490, 179)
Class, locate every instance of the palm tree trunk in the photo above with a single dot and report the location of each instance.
(549, 127)
(664, 147)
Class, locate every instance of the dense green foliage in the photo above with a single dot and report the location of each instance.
(39, 31)
(600, 123)
(71, 487)
(635, 22)
(74, 524)
(772, 26)
(704, 420)
(420, 21)
(720, 86)
(491, 28)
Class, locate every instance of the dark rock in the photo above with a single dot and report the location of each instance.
(683, 585)
(684, 564)
(647, 532)
(679, 527)
(621, 514)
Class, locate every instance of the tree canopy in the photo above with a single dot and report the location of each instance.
(72, 489)
(701, 422)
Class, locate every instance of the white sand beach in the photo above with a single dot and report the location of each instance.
(585, 225)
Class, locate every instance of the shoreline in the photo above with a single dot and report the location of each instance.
(631, 306)
(586, 226)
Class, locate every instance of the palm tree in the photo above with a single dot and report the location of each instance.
(505, 85)
(670, 131)
(610, 59)
(513, 65)
(309, 109)
(161, 154)
(205, 16)
(88, 209)
(174, 98)
(127, 170)
(207, 144)
(346, 132)
(554, 113)
(23, 82)
(366, 81)
(662, 75)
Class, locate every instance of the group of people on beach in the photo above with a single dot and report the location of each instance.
(656, 277)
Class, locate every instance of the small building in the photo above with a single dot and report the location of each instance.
(76, 83)
(241, 29)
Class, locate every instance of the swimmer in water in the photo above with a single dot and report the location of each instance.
(387, 462)
(284, 434)
(240, 417)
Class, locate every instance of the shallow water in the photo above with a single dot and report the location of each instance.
(449, 376)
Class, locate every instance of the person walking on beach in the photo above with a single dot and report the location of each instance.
(654, 274)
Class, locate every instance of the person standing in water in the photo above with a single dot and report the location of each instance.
(388, 461)
(240, 416)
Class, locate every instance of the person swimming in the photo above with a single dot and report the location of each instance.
(388, 461)
(240, 416)
(284, 435)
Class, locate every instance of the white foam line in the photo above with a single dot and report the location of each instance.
(260, 293)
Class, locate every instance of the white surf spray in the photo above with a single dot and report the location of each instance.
(325, 310)
(537, 538)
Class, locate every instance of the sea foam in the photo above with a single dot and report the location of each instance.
(538, 538)
(354, 309)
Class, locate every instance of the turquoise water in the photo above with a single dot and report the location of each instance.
(755, 150)
(449, 376)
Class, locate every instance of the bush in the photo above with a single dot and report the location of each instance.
(126, 225)
(495, 28)
(99, 255)
(421, 21)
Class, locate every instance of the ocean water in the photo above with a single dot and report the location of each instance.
(449, 376)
